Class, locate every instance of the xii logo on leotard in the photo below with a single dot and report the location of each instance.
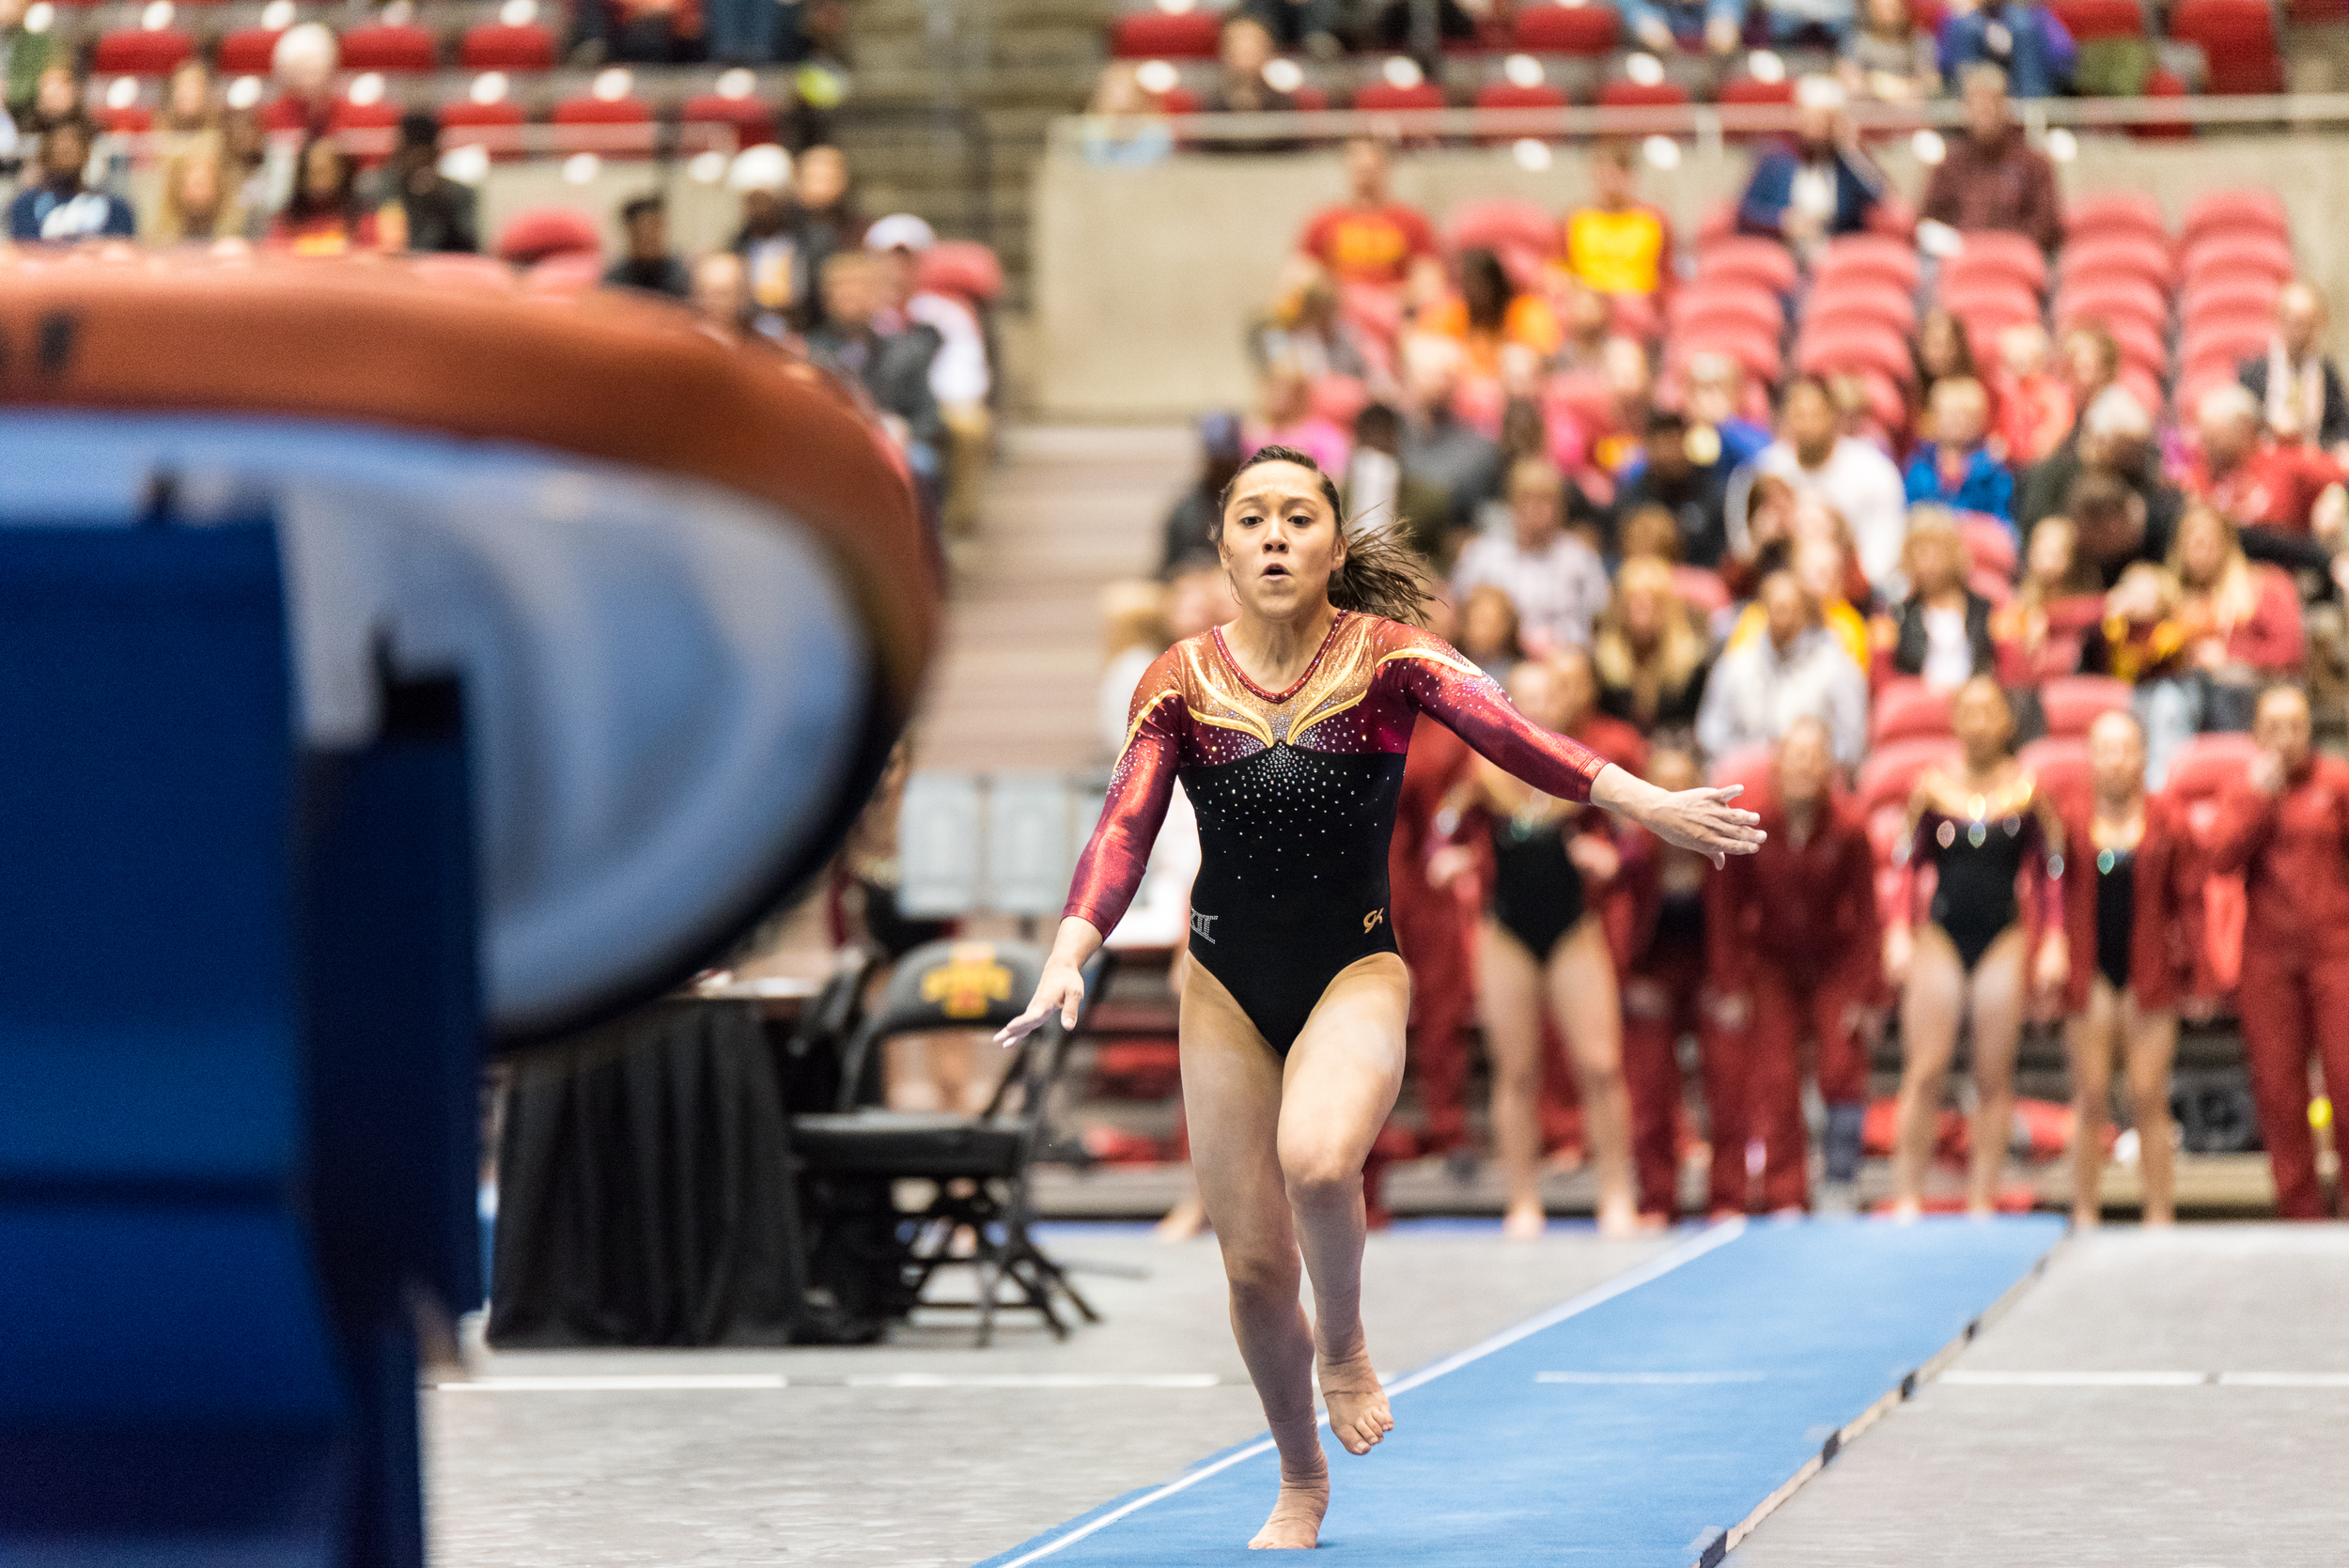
(1199, 925)
(1372, 918)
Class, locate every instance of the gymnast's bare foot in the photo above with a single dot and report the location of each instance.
(1358, 1414)
(1617, 1219)
(1296, 1520)
(1525, 1221)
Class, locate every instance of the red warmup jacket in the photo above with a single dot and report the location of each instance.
(1437, 761)
(1619, 902)
(2166, 876)
(1809, 912)
(2294, 854)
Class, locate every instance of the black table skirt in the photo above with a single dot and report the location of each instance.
(645, 1188)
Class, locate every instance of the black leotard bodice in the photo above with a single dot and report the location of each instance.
(2116, 914)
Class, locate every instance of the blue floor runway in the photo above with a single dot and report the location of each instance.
(1627, 1427)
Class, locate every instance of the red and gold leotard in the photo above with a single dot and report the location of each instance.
(1295, 792)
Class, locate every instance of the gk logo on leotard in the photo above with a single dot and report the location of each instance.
(1199, 925)
(1372, 918)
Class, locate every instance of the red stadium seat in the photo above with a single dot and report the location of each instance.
(2072, 703)
(374, 122)
(1751, 91)
(1385, 97)
(2108, 213)
(1508, 95)
(1888, 774)
(143, 52)
(2208, 765)
(2240, 256)
(496, 126)
(1157, 34)
(2237, 38)
(1500, 224)
(1562, 29)
(2229, 340)
(1740, 309)
(1701, 590)
(1990, 542)
(495, 46)
(2118, 256)
(1988, 256)
(605, 126)
(1860, 299)
(751, 120)
(1908, 709)
(1642, 95)
(2230, 296)
(1749, 768)
(135, 119)
(964, 269)
(247, 51)
(2231, 322)
(1868, 256)
(2163, 83)
(1755, 352)
(2140, 345)
(1716, 221)
(2112, 299)
(536, 233)
(1987, 296)
(2060, 762)
(1753, 259)
(2233, 211)
(2090, 20)
(1995, 586)
(1178, 100)
(1856, 348)
(390, 47)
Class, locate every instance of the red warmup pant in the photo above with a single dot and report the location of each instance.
(1662, 1000)
(2290, 1011)
(1436, 945)
(1786, 1008)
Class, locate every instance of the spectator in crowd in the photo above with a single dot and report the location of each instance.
(821, 220)
(57, 98)
(1695, 494)
(2244, 615)
(324, 216)
(1489, 317)
(722, 292)
(649, 264)
(2116, 436)
(776, 278)
(1797, 670)
(1618, 244)
(1555, 578)
(1713, 385)
(1819, 562)
(644, 32)
(2286, 828)
(187, 113)
(2060, 598)
(1649, 652)
(1889, 58)
(959, 376)
(61, 207)
(2036, 411)
(1133, 635)
(195, 201)
(23, 55)
(1586, 320)
(303, 62)
(1420, 26)
(2088, 360)
(1956, 468)
(1247, 47)
(1126, 127)
(1313, 25)
(432, 212)
(2116, 527)
(893, 367)
(1286, 417)
(2298, 388)
(1438, 446)
(244, 162)
(1488, 630)
(2286, 498)
(1185, 532)
(1616, 444)
(1990, 178)
(1664, 26)
(1940, 350)
(1371, 239)
(1942, 629)
(1305, 328)
(1377, 487)
(2021, 40)
(1856, 479)
(2146, 641)
(1817, 186)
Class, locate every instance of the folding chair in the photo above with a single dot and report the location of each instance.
(978, 1164)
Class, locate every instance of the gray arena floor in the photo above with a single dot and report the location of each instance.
(906, 1455)
(2159, 1400)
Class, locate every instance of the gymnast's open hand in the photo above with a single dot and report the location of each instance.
(1699, 819)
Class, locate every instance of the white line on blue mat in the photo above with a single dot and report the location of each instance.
(1719, 1235)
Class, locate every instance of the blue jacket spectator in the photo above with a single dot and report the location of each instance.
(1955, 469)
(1663, 26)
(2024, 41)
(60, 209)
(1816, 186)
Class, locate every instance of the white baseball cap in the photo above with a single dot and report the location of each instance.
(764, 167)
(900, 231)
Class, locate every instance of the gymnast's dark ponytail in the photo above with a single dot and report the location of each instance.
(1382, 575)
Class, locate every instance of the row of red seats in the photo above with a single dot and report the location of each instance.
(387, 48)
(750, 121)
(2237, 37)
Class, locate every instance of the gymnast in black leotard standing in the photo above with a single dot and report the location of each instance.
(1288, 728)
(1981, 826)
(1542, 951)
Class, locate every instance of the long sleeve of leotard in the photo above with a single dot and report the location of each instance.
(1141, 785)
(1443, 684)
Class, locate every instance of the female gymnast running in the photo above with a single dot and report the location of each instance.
(2122, 999)
(1981, 826)
(1288, 728)
(1543, 947)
